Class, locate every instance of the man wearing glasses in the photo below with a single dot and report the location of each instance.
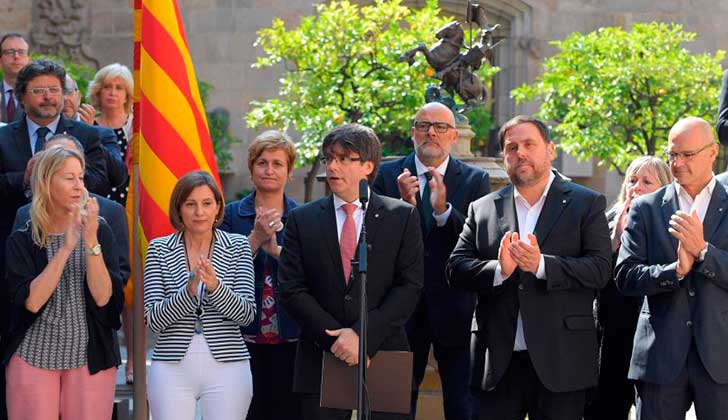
(319, 286)
(14, 57)
(674, 253)
(441, 187)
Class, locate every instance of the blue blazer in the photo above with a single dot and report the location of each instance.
(449, 310)
(240, 218)
(675, 313)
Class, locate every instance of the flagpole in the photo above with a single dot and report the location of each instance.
(139, 355)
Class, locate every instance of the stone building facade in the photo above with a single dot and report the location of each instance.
(221, 33)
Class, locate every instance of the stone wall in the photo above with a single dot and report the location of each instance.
(221, 35)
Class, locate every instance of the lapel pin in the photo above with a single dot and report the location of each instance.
(563, 201)
(720, 209)
(376, 215)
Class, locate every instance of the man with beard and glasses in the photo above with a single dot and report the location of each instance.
(442, 188)
(536, 252)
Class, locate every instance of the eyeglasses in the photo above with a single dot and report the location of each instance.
(673, 156)
(69, 90)
(41, 90)
(440, 127)
(11, 52)
(340, 159)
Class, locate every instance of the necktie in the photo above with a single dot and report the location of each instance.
(40, 138)
(347, 242)
(427, 219)
(11, 107)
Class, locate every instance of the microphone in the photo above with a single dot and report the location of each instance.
(363, 192)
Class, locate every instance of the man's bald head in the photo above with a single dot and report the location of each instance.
(440, 109)
(65, 141)
(693, 125)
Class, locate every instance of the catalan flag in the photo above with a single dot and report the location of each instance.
(171, 136)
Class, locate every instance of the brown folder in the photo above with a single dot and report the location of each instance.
(389, 382)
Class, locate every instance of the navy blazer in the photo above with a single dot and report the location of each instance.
(675, 313)
(722, 126)
(449, 310)
(114, 214)
(558, 321)
(239, 218)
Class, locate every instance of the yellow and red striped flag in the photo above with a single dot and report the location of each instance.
(171, 135)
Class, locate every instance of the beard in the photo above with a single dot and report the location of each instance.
(526, 178)
(45, 110)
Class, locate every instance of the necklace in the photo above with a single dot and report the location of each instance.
(199, 311)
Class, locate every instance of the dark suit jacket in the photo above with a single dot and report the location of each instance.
(15, 153)
(114, 214)
(317, 297)
(557, 314)
(449, 310)
(115, 165)
(19, 111)
(675, 313)
(722, 127)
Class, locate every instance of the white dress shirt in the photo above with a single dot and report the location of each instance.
(699, 203)
(440, 219)
(527, 217)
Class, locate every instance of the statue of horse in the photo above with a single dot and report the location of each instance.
(444, 52)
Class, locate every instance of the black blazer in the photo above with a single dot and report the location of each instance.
(26, 261)
(314, 291)
(557, 315)
(19, 111)
(674, 314)
(114, 214)
(449, 310)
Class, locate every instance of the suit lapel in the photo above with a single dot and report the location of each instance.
(409, 164)
(373, 217)
(557, 198)
(451, 178)
(716, 211)
(327, 222)
(506, 209)
(669, 207)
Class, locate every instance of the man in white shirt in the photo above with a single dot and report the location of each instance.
(536, 252)
(14, 57)
(674, 254)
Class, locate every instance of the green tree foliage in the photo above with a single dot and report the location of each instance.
(615, 94)
(342, 65)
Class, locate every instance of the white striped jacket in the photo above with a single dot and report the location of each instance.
(169, 309)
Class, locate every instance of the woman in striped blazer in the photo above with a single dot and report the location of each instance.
(198, 292)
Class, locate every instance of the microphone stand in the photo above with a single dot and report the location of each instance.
(362, 264)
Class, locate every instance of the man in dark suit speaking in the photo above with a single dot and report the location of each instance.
(319, 288)
(536, 252)
(442, 188)
(675, 253)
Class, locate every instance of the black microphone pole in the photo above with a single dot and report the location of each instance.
(363, 251)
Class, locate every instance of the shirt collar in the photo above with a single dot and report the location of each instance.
(338, 201)
(6, 87)
(711, 185)
(552, 176)
(33, 127)
(422, 168)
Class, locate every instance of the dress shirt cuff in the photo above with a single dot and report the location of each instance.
(441, 219)
(541, 271)
(498, 276)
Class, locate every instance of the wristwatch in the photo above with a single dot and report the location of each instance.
(94, 250)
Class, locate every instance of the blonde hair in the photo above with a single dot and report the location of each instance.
(271, 140)
(107, 73)
(656, 165)
(48, 163)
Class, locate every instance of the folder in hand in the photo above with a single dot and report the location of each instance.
(389, 382)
